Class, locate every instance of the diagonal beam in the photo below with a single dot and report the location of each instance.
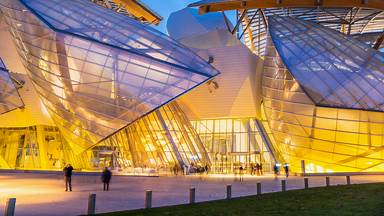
(379, 41)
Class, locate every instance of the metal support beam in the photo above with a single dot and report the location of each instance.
(239, 21)
(170, 139)
(249, 23)
(379, 41)
(213, 6)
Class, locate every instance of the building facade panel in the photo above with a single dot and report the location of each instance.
(328, 139)
(9, 95)
(95, 77)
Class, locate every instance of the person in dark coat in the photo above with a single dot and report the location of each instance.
(286, 169)
(68, 177)
(106, 178)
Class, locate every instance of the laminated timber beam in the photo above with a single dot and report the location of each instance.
(139, 10)
(224, 5)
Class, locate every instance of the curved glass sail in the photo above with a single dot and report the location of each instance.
(335, 70)
(9, 96)
(81, 18)
(98, 71)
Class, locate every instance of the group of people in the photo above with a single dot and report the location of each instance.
(68, 171)
(192, 168)
(276, 169)
(257, 169)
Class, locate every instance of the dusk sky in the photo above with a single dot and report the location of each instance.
(166, 7)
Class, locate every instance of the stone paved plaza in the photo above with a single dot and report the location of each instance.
(43, 194)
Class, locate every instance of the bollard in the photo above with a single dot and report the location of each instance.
(306, 184)
(192, 195)
(348, 180)
(91, 204)
(229, 191)
(258, 188)
(10, 207)
(327, 181)
(283, 185)
(148, 199)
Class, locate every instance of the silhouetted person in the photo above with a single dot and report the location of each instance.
(206, 169)
(286, 169)
(176, 170)
(241, 173)
(68, 177)
(252, 169)
(257, 169)
(106, 178)
(261, 168)
(276, 170)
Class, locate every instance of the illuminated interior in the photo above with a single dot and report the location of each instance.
(103, 88)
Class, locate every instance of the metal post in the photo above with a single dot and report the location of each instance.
(283, 185)
(91, 204)
(258, 188)
(229, 191)
(327, 181)
(306, 184)
(10, 207)
(348, 180)
(148, 199)
(192, 195)
(303, 167)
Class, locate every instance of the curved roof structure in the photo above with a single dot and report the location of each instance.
(92, 22)
(335, 70)
(350, 21)
(96, 70)
(9, 96)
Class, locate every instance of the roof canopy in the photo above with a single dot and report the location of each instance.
(334, 69)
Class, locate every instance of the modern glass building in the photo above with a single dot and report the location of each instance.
(100, 87)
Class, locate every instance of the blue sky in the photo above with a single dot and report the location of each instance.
(166, 7)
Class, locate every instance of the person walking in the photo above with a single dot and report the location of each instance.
(286, 169)
(257, 169)
(206, 169)
(106, 178)
(261, 168)
(252, 169)
(68, 177)
(276, 170)
(241, 173)
(176, 169)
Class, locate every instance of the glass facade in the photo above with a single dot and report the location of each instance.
(333, 69)
(95, 70)
(351, 21)
(233, 142)
(36, 147)
(327, 139)
(159, 140)
(9, 96)
(109, 84)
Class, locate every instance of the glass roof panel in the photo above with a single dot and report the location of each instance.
(85, 19)
(9, 96)
(343, 64)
